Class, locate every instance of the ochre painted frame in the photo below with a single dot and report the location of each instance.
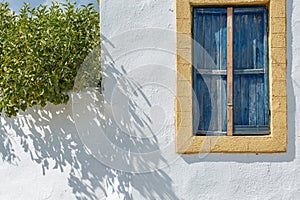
(186, 142)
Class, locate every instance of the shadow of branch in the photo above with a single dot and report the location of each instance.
(53, 139)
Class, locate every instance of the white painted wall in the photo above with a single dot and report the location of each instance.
(120, 145)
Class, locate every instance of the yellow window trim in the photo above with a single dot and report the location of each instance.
(186, 142)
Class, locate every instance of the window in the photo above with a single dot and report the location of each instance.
(231, 81)
(238, 57)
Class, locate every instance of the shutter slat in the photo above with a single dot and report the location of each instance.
(237, 100)
(244, 100)
(261, 109)
(266, 64)
(252, 100)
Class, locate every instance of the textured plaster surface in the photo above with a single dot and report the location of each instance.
(45, 155)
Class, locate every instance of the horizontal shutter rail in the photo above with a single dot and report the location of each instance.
(203, 132)
(250, 126)
(238, 130)
(211, 72)
(249, 10)
(236, 10)
(235, 72)
(218, 11)
(251, 130)
(248, 71)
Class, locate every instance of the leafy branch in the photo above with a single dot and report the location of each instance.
(41, 51)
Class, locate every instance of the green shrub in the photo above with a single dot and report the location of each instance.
(41, 51)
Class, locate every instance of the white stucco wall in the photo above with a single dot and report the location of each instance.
(120, 145)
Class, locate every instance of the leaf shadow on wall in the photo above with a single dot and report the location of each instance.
(103, 158)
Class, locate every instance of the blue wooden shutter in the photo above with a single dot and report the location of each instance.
(209, 70)
(251, 104)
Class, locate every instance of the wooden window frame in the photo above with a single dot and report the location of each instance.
(186, 142)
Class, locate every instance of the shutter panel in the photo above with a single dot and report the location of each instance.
(251, 103)
(209, 70)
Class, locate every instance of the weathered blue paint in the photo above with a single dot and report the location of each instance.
(210, 61)
(250, 84)
(250, 54)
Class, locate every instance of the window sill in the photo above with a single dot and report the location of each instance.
(232, 144)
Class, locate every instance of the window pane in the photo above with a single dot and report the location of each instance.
(211, 99)
(250, 100)
(210, 65)
(210, 35)
(251, 103)
(250, 69)
(249, 48)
